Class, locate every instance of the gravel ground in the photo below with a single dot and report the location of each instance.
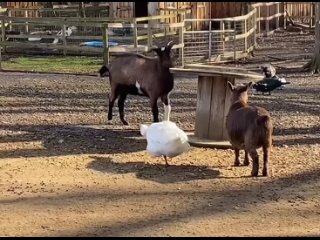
(65, 172)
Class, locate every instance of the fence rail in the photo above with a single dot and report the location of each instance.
(61, 35)
(219, 40)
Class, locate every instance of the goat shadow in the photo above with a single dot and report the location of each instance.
(154, 172)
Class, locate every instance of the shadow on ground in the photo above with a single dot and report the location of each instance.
(58, 140)
(154, 172)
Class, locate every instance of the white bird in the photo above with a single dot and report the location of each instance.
(69, 31)
(165, 138)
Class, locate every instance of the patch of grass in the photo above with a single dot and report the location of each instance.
(68, 64)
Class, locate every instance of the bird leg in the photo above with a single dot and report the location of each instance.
(165, 158)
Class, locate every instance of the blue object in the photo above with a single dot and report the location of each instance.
(98, 44)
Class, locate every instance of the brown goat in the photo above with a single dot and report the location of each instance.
(249, 128)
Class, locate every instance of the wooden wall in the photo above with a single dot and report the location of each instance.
(22, 4)
(300, 10)
(225, 9)
(121, 9)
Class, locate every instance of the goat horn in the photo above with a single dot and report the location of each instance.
(171, 43)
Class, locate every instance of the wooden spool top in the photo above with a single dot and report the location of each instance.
(205, 70)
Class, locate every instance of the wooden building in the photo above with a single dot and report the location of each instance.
(192, 10)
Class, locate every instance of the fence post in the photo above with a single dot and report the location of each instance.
(64, 40)
(311, 13)
(105, 44)
(235, 44)
(135, 34)
(254, 24)
(27, 24)
(149, 34)
(278, 17)
(245, 36)
(210, 40)
(259, 20)
(267, 21)
(181, 41)
(222, 36)
(9, 15)
(3, 34)
(285, 6)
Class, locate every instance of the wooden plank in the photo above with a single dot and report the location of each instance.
(203, 106)
(216, 71)
(64, 41)
(43, 36)
(3, 34)
(135, 34)
(217, 107)
(181, 41)
(227, 105)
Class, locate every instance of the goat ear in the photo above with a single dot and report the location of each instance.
(157, 50)
(103, 71)
(231, 86)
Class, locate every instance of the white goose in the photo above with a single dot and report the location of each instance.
(165, 138)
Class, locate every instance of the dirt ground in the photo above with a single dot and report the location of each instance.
(65, 172)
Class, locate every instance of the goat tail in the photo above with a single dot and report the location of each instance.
(265, 123)
(143, 129)
(265, 127)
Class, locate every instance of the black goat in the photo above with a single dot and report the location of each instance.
(137, 74)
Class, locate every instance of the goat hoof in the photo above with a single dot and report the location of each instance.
(124, 122)
(246, 163)
(264, 173)
(254, 174)
(237, 163)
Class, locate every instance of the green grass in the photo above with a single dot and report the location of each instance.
(54, 64)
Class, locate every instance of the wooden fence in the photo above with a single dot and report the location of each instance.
(302, 12)
(223, 39)
(269, 17)
(50, 35)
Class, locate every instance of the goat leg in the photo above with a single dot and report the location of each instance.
(166, 106)
(266, 151)
(246, 159)
(165, 159)
(121, 101)
(112, 97)
(255, 162)
(236, 160)
(155, 110)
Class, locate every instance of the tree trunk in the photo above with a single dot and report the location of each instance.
(313, 65)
